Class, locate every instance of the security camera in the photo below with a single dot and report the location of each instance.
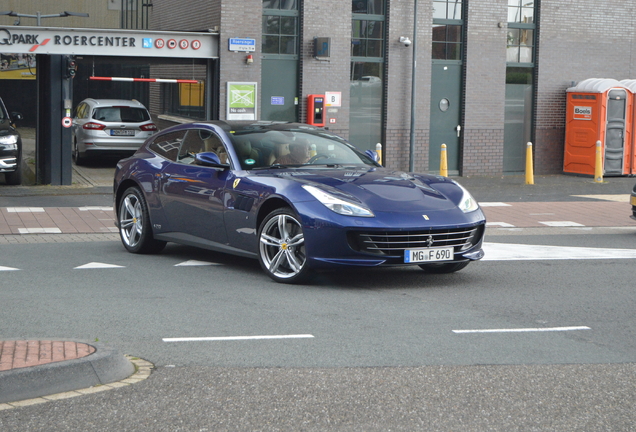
(405, 40)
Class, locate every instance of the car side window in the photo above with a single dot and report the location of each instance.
(80, 111)
(167, 145)
(197, 141)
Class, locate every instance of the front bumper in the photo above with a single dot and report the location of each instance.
(329, 244)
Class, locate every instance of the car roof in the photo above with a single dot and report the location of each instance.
(114, 102)
(242, 126)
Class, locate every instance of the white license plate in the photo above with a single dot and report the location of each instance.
(122, 132)
(428, 255)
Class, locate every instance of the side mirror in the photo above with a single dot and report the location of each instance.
(16, 116)
(209, 159)
(372, 155)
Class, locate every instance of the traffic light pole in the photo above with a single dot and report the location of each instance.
(54, 141)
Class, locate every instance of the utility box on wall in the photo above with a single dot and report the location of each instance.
(316, 110)
(599, 110)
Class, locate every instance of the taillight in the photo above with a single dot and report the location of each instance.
(94, 126)
(148, 127)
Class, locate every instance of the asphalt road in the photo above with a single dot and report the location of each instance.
(373, 350)
(383, 354)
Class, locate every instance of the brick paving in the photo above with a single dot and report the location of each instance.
(25, 353)
(540, 214)
(92, 220)
(62, 220)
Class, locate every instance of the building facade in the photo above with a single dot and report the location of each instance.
(482, 77)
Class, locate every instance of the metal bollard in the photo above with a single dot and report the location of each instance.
(443, 162)
(529, 166)
(378, 150)
(598, 165)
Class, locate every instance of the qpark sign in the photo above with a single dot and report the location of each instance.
(107, 42)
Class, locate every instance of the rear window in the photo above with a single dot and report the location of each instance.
(121, 114)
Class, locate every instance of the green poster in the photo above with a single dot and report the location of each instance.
(241, 101)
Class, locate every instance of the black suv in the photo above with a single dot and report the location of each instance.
(10, 146)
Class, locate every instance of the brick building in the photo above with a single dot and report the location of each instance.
(490, 75)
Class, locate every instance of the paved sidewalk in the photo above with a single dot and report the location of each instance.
(26, 353)
(56, 220)
(604, 211)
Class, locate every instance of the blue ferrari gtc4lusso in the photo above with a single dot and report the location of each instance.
(296, 197)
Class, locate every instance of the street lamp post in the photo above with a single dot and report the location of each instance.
(413, 81)
(38, 16)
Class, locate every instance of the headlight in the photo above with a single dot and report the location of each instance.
(467, 204)
(338, 205)
(9, 140)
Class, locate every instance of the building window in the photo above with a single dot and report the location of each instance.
(367, 38)
(370, 7)
(520, 89)
(367, 72)
(447, 9)
(521, 11)
(521, 30)
(280, 27)
(447, 42)
(280, 4)
(447, 30)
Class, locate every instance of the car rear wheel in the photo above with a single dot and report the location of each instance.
(134, 223)
(282, 247)
(441, 268)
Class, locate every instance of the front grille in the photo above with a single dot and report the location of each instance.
(393, 243)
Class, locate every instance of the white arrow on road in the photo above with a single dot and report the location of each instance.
(513, 252)
(96, 265)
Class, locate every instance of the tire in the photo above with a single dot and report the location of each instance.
(281, 250)
(134, 224)
(444, 268)
(77, 158)
(14, 178)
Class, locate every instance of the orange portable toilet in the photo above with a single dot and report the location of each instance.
(631, 85)
(598, 110)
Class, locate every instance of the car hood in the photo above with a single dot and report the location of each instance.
(382, 189)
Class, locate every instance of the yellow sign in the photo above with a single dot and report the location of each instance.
(17, 66)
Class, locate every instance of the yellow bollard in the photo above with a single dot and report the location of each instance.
(529, 167)
(378, 150)
(443, 162)
(598, 166)
(312, 150)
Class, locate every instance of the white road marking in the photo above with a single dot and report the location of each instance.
(561, 224)
(236, 338)
(524, 330)
(96, 265)
(7, 268)
(25, 209)
(494, 204)
(94, 208)
(499, 224)
(514, 252)
(192, 263)
(616, 198)
(39, 231)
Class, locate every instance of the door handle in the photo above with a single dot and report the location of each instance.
(459, 130)
(165, 176)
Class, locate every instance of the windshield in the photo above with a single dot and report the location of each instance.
(288, 148)
(121, 114)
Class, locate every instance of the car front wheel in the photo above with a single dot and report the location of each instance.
(134, 223)
(282, 247)
(77, 157)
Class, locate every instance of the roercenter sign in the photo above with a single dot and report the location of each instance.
(107, 42)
